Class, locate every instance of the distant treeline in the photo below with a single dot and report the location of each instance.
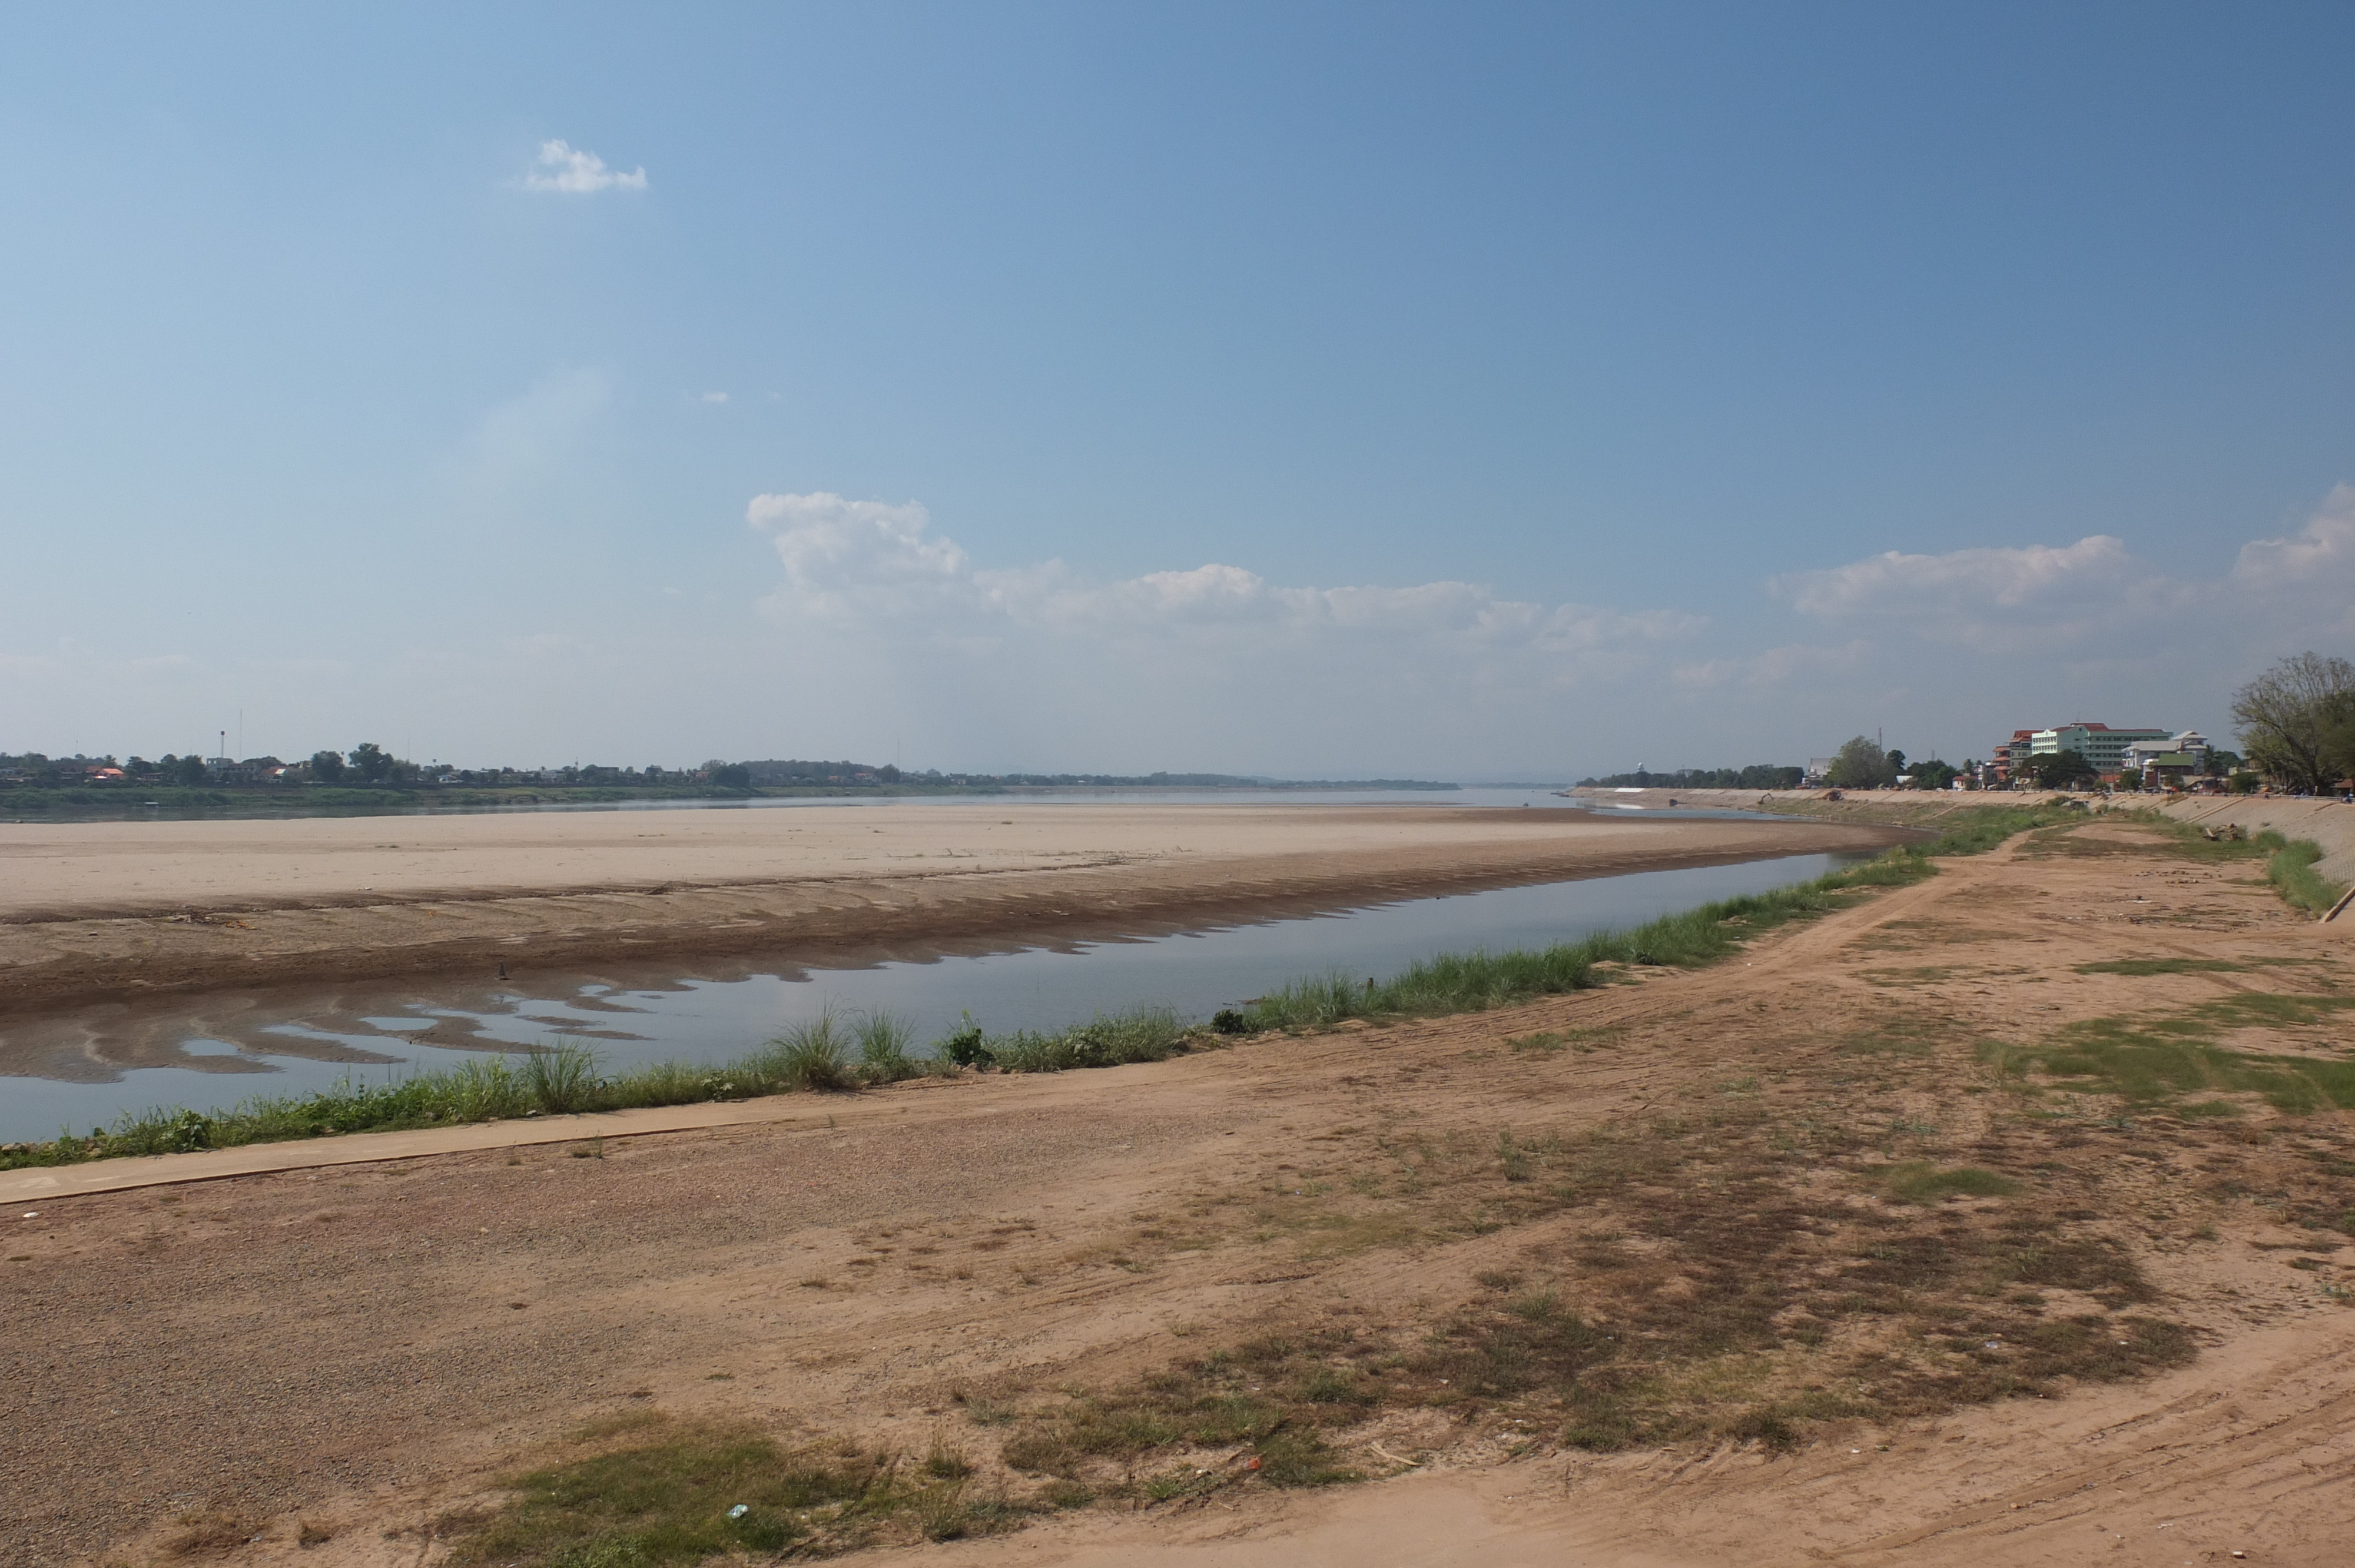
(797, 773)
(1757, 776)
(370, 780)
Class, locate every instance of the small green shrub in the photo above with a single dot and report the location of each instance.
(968, 1047)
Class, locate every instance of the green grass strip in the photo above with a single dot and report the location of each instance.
(2290, 868)
(1476, 981)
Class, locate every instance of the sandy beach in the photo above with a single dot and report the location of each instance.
(129, 910)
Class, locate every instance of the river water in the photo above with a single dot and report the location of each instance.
(216, 1055)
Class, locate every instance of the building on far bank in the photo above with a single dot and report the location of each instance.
(2005, 762)
(2187, 743)
(2180, 756)
(2103, 748)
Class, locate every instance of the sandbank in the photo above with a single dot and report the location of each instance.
(118, 911)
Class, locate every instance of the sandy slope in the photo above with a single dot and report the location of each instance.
(130, 909)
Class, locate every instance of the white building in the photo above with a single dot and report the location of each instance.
(2098, 744)
(2184, 751)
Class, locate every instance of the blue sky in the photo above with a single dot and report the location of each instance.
(1483, 391)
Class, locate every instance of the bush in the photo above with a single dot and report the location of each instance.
(967, 1046)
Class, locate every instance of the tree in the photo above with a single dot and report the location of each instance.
(1933, 775)
(369, 761)
(1860, 765)
(189, 770)
(2284, 715)
(327, 767)
(2060, 769)
(2338, 749)
(732, 776)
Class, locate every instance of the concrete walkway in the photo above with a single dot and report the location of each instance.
(50, 1183)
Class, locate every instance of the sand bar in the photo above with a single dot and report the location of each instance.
(122, 910)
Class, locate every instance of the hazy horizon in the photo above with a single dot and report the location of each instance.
(1309, 391)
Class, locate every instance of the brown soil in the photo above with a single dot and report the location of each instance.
(1652, 1290)
(125, 911)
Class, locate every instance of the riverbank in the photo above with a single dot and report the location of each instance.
(129, 911)
(1879, 1240)
(864, 1049)
(2328, 823)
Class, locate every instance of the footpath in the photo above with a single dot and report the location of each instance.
(38, 1183)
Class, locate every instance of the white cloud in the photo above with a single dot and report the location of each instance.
(2319, 559)
(2094, 591)
(844, 558)
(1974, 595)
(575, 171)
(872, 561)
(715, 396)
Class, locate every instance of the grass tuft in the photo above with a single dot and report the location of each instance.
(813, 1055)
(883, 1041)
(1108, 1040)
(1923, 1182)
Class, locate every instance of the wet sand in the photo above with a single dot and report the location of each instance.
(120, 912)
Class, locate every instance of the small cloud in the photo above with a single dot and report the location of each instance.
(577, 172)
(1896, 584)
(2323, 551)
(715, 396)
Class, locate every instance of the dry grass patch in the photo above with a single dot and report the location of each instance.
(687, 1492)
